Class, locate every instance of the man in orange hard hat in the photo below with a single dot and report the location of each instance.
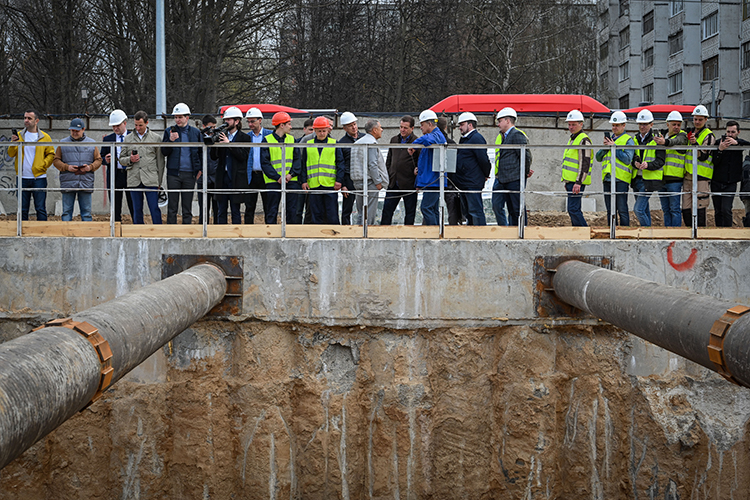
(322, 170)
(280, 161)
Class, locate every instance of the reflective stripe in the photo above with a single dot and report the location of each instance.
(571, 164)
(674, 165)
(623, 171)
(705, 168)
(276, 157)
(321, 166)
(649, 155)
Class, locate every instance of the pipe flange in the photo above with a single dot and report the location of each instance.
(716, 341)
(100, 345)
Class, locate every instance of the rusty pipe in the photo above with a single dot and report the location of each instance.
(712, 332)
(49, 375)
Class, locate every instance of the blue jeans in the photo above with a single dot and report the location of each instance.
(512, 200)
(574, 205)
(40, 198)
(670, 204)
(621, 200)
(430, 207)
(642, 211)
(472, 203)
(152, 198)
(84, 205)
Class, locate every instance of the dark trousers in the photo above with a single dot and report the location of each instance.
(258, 183)
(185, 180)
(348, 204)
(511, 200)
(687, 217)
(574, 205)
(304, 211)
(621, 200)
(274, 200)
(391, 203)
(40, 198)
(152, 199)
(223, 204)
(723, 202)
(473, 207)
(324, 207)
(121, 182)
(213, 206)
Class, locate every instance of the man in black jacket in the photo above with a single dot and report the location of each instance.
(231, 171)
(401, 167)
(472, 170)
(727, 173)
(118, 120)
(183, 164)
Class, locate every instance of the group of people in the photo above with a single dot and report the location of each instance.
(314, 168)
(666, 171)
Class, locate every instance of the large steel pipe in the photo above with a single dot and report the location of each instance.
(50, 374)
(676, 320)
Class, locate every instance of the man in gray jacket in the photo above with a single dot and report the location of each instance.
(77, 165)
(376, 170)
(145, 166)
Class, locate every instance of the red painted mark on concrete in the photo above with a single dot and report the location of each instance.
(682, 266)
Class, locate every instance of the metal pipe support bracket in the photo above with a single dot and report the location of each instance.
(100, 345)
(716, 341)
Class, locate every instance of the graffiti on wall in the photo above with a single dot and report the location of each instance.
(7, 168)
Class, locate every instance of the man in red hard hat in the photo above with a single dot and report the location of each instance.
(323, 170)
(277, 161)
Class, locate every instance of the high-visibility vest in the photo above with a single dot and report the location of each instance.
(498, 142)
(623, 171)
(571, 163)
(674, 165)
(649, 155)
(321, 167)
(705, 168)
(276, 157)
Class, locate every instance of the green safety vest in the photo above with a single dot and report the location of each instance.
(571, 161)
(321, 167)
(674, 165)
(498, 142)
(623, 172)
(276, 157)
(705, 168)
(649, 155)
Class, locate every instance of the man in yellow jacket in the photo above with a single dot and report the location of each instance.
(36, 161)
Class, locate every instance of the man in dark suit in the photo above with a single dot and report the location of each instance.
(118, 120)
(231, 171)
(472, 170)
(507, 166)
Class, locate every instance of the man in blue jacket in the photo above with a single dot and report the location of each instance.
(427, 180)
(183, 164)
(472, 170)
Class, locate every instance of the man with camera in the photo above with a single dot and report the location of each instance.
(231, 171)
(118, 120)
(727, 173)
(183, 164)
(145, 168)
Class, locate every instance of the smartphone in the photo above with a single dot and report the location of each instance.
(175, 129)
(607, 135)
(13, 131)
(134, 152)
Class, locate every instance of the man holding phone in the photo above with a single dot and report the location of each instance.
(36, 161)
(701, 136)
(145, 168)
(77, 164)
(622, 165)
(118, 120)
(183, 164)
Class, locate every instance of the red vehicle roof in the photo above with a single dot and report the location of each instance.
(264, 108)
(662, 109)
(522, 103)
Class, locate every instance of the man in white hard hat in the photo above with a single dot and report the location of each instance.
(701, 136)
(674, 169)
(231, 171)
(118, 120)
(352, 135)
(727, 173)
(472, 170)
(623, 167)
(507, 167)
(254, 171)
(183, 164)
(428, 181)
(649, 167)
(35, 161)
(576, 167)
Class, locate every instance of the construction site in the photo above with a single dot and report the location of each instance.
(374, 362)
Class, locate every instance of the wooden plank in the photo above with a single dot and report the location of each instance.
(645, 233)
(8, 228)
(557, 233)
(78, 229)
(481, 232)
(723, 233)
(403, 232)
(161, 231)
(322, 231)
(244, 231)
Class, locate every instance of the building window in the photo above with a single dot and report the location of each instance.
(604, 18)
(604, 50)
(745, 9)
(648, 22)
(675, 83)
(648, 58)
(711, 69)
(710, 25)
(746, 55)
(625, 37)
(625, 101)
(675, 7)
(648, 93)
(624, 7)
(624, 71)
(746, 103)
(604, 81)
(675, 43)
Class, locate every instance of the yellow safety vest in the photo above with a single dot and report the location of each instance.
(623, 171)
(498, 142)
(276, 157)
(649, 155)
(705, 168)
(674, 165)
(321, 167)
(571, 162)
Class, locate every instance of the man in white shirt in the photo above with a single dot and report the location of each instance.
(36, 161)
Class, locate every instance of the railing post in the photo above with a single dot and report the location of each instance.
(366, 192)
(283, 190)
(111, 191)
(522, 194)
(204, 193)
(612, 192)
(443, 161)
(19, 183)
(694, 218)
